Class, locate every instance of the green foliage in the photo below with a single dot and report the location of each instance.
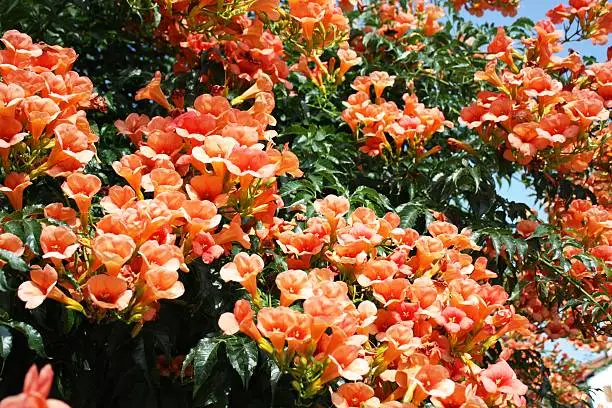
(203, 358)
(6, 342)
(33, 337)
(242, 354)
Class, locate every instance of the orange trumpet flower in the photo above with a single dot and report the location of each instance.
(36, 388)
(108, 292)
(354, 395)
(130, 167)
(294, 285)
(11, 243)
(42, 285)
(164, 283)
(58, 242)
(244, 270)
(240, 320)
(13, 186)
(154, 92)
(113, 251)
(81, 188)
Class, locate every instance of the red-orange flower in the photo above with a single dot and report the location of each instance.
(354, 395)
(113, 251)
(59, 212)
(81, 188)
(164, 283)
(42, 285)
(10, 243)
(294, 285)
(36, 389)
(244, 270)
(240, 320)
(57, 242)
(13, 186)
(500, 378)
(108, 292)
(154, 92)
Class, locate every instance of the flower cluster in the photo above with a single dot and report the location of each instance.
(43, 127)
(599, 179)
(244, 47)
(590, 226)
(588, 223)
(122, 265)
(398, 316)
(395, 21)
(382, 127)
(214, 151)
(189, 170)
(325, 74)
(534, 117)
(321, 25)
(566, 374)
(478, 7)
(213, 19)
(238, 34)
(551, 113)
(592, 18)
(600, 184)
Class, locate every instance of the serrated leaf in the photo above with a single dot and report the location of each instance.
(291, 187)
(31, 235)
(409, 213)
(275, 375)
(6, 342)
(242, 354)
(33, 337)
(4, 286)
(203, 358)
(475, 173)
(32, 209)
(14, 261)
(14, 227)
(367, 195)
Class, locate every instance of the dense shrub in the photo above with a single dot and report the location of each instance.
(265, 203)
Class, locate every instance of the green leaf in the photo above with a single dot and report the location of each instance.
(31, 235)
(292, 187)
(203, 358)
(33, 209)
(4, 286)
(242, 354)
(33, 337)
(6, 342)
(409, 214)
(69, 320)
(275, 375)
(368, 196)
(14, 261)
(475, 173)
(503, 239)
(14, 227)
